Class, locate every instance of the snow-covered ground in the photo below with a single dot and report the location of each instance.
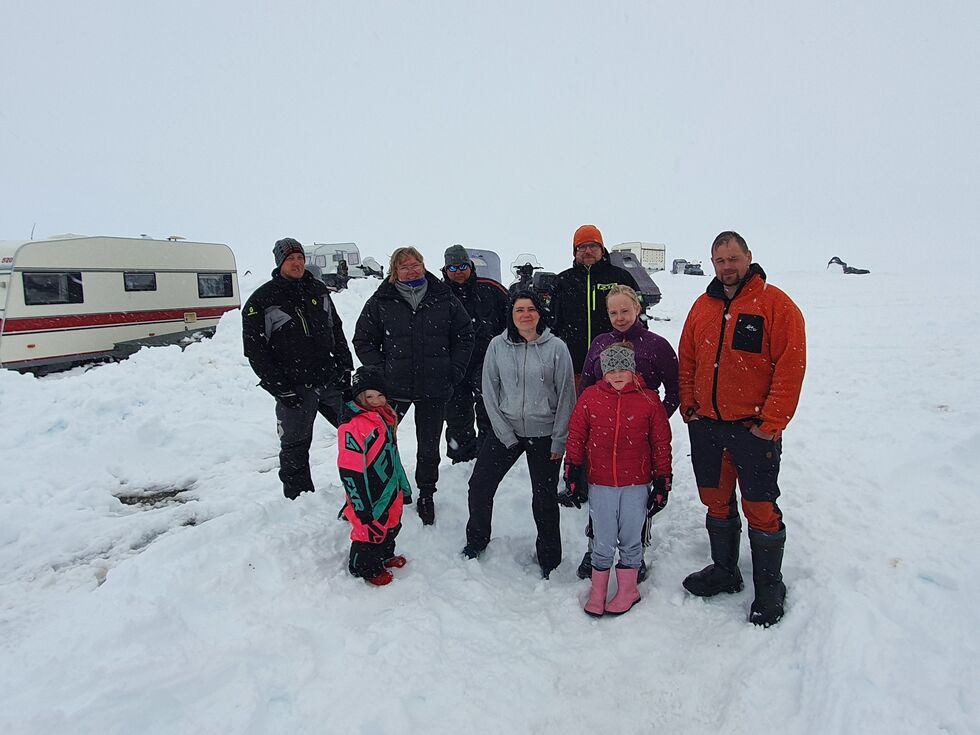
(227, 609)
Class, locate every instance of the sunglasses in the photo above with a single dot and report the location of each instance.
(462, 268)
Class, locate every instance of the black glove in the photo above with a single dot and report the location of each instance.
(343, 384)
(573, 495)
(659, 492)
(290, 399)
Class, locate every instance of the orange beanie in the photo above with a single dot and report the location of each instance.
(586, 234)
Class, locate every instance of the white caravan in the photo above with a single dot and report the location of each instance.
(652, 255)
(74, 299)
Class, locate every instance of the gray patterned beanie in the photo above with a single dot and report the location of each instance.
(284, 248)
(617, 357)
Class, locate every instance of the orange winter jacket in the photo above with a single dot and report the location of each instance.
(743, 358)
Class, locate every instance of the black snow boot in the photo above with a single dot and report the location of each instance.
(723, 575)
(584, 570)
(426, 508)
(767, 563)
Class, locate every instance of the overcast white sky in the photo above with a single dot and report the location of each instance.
(815, 129)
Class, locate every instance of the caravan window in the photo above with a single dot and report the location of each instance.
(140, 281)
(214, 285)
(53, 288)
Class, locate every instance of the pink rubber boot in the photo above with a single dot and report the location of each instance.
(596, 605)
(627, 595)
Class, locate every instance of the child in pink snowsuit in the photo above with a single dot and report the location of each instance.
(373, 478)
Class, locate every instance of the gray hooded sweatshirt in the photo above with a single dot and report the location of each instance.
(529, 389)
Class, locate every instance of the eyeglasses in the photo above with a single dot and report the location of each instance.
(587, 246)
(462, 268)
(408, 267)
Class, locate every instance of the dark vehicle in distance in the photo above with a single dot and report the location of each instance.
(649, 291)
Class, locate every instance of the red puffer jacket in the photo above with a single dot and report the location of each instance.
(624, 435)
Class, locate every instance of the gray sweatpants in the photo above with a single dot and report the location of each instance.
(617, 515)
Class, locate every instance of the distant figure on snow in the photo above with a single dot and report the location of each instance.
(846, 268)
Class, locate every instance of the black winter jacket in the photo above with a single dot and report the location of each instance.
(578, 304)
(487, 303)
(293, 335)
(424, 353)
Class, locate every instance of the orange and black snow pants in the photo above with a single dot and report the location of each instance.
(724, 452)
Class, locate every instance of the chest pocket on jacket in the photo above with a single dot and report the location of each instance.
(749, 330)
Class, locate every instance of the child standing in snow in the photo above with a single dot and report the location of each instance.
(619, 427)
(373, 478)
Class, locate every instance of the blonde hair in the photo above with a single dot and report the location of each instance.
(621, 290)
(397, 256)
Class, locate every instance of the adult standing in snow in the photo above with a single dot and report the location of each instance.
(742, 361)
(529, 392)
(294, 340)
(486, 302)
(418, 334)
(656, 363)
(578, 297)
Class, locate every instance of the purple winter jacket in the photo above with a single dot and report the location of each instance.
(656, 361)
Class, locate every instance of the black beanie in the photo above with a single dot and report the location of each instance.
(367, 378)
(457, 255)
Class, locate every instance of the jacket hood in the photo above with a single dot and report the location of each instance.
(544, 337)
(717, 290)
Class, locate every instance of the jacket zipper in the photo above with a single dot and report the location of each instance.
(524, 391)
(619, 400)
(302, 321)
(721, 346)
(589, 307)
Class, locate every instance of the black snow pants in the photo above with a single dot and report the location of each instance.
(430, 415)
(493, 462)
(465, 405)
(295, 428)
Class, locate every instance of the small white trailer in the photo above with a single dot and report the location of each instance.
(73, 299)
(652, 255)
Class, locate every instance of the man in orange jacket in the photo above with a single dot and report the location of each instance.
(742, 359)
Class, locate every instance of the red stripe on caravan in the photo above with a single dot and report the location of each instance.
(108, 319)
